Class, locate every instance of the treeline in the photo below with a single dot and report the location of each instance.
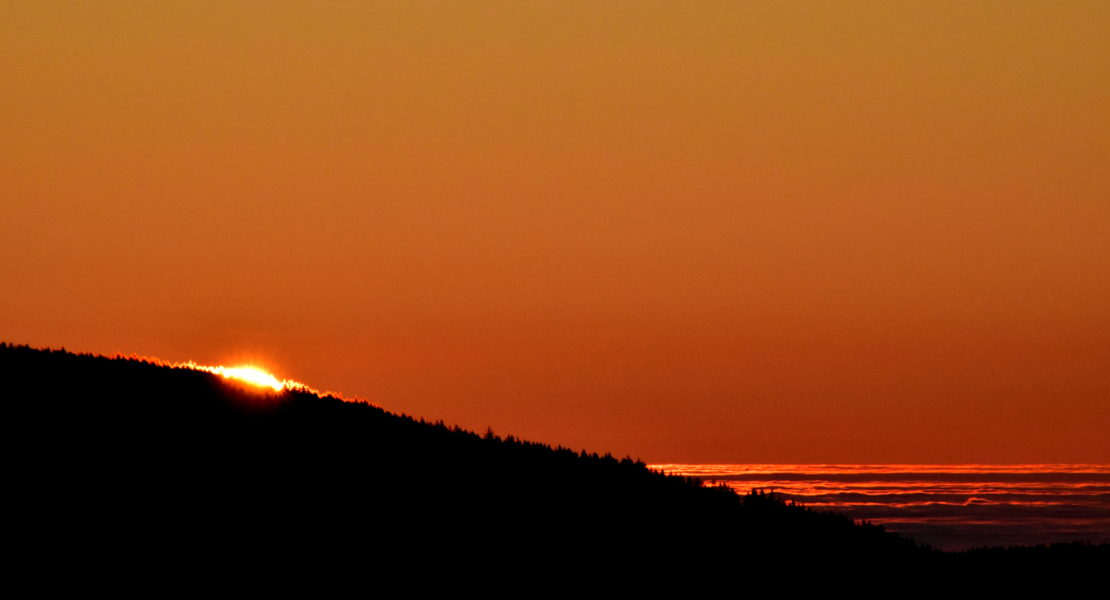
(170, 462)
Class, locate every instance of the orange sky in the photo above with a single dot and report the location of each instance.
(689, 232)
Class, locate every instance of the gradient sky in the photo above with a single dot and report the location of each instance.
(684, 231)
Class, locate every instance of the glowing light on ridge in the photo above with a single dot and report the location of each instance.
(248, 375)
(251, 375)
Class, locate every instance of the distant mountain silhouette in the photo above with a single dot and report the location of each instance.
(133, 463)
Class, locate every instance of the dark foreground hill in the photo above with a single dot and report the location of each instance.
(127, 463)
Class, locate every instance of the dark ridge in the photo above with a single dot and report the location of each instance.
(124, 462)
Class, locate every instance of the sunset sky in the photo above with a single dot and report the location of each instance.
(683, 231)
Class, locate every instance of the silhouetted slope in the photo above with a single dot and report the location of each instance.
(161, 461)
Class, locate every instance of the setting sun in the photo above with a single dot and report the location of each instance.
(247, 374)
(251, 375)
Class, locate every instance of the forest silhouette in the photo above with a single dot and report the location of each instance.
(162, 461)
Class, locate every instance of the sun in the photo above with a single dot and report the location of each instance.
(251, 375)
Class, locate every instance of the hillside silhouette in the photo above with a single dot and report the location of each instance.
(163, 461)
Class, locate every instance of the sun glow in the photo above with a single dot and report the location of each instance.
(251, 375)
(245, 374)
(266, 385)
